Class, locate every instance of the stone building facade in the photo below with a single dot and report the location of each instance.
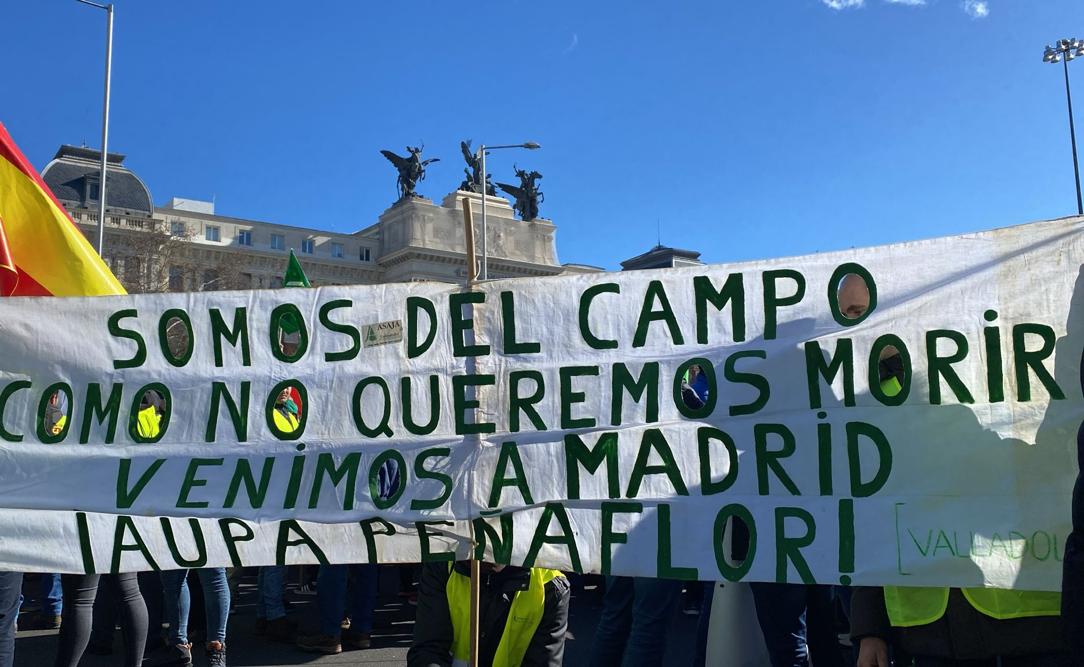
(184, 245)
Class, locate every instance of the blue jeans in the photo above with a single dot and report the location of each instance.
(636, 614)
(331, 597)
(11, 585)
(798, 619)
(271, 584)
(176, 603)
(51, 595)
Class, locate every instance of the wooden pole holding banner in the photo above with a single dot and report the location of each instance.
(475, 569)
(468, 234)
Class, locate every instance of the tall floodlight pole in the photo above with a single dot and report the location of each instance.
(105, 118)
(529, 145)
(1064, 51)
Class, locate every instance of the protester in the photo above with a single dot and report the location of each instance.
(332, 598)
(177, 602)
(798, 620)
(107, 609)
(942, 627)
(523, 616)
(1072, 581)
(11, 584)
(50, 592)
(79, 593)
(332, 591)
(81, 590)
(636, 611)
(49, 599)
(149, 416)
(632, 629)
(286, 411)
(271, 621)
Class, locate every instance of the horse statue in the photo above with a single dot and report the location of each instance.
(527, 195)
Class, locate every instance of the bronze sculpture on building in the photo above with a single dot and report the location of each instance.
(411, 170)
(527, 195)
(473, 182)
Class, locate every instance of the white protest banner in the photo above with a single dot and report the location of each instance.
(543, 421)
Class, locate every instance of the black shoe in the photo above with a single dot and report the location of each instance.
(178, 655)
(216, 654)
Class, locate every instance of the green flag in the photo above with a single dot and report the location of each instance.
(295, 275)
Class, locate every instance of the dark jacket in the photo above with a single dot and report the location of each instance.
(1072, 578)
(961, 634)
(432, 644)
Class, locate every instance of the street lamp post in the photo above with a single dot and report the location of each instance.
(105, 118)
(529, 145)
(1064, 51)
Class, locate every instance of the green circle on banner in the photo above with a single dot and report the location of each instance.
(133, 414)
(269, 412)
(841, 272)
(374, 478)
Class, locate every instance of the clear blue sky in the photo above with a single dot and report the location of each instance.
(747, 129)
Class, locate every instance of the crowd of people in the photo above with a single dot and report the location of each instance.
(524, 616)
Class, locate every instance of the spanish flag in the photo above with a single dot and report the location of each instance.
(42, 252)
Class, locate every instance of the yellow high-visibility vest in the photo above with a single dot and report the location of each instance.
(523, 617)
(148, 422)
(285, 421)
(891, 386)
(911, 606)
(59, 425)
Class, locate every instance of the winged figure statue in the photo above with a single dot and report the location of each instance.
(473, 182)
(411, 169)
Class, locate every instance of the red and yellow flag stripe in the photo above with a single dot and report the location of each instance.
(42, 252)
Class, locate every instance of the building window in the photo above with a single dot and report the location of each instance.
(365, 254)
(336, 250)
(308, 246)
(278, 242)
(244, 237)
(176, 279)
(212, 233)
(92, 188)
(276, 282)
(177, 228)
(210, 281)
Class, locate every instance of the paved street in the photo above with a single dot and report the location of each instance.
(391, 636)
